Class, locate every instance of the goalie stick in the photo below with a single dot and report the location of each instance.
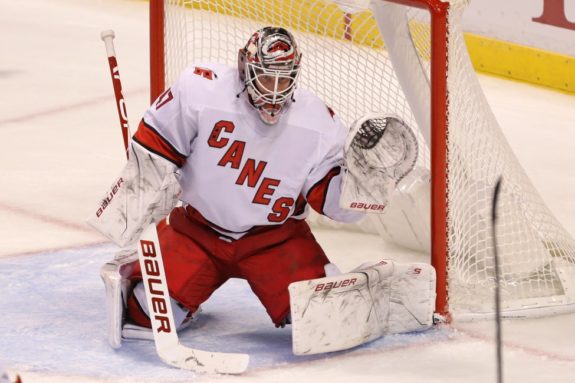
(108, 39)
(168, 346)
(165, 336)
(498, 341)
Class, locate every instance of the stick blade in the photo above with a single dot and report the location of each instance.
(205, 361)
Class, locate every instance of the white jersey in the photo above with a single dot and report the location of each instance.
(237, 171)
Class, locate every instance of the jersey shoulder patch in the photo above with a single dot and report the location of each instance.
(205, 73)
(203, 85)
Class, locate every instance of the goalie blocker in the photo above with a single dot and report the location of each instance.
(340, 312)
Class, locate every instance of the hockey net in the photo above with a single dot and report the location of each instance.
(361, 56)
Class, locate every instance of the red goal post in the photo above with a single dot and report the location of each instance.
(408, 56)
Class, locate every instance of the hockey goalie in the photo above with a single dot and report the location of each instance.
(226, 163)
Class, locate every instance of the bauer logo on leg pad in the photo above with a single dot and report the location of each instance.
(335, 284)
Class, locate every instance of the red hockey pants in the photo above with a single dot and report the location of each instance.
(198, 260)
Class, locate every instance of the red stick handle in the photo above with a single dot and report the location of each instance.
(108, 39)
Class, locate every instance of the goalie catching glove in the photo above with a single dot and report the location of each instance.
(381, 149)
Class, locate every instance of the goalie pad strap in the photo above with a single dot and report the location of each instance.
(180, 313)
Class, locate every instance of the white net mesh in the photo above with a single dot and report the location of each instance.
(334, 67)
(537, 255)
(346, 64)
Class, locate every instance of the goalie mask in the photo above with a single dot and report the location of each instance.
(269, 67)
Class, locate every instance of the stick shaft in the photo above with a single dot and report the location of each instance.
(108, 38)
(498, 338)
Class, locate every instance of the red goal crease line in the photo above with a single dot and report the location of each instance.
(64, 108)
(44, 218)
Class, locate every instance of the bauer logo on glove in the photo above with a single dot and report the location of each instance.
(365, 206)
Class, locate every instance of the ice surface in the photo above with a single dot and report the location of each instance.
(63, 331)
(61, 148)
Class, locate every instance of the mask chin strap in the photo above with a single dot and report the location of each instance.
(273, 111)
(242, 91)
